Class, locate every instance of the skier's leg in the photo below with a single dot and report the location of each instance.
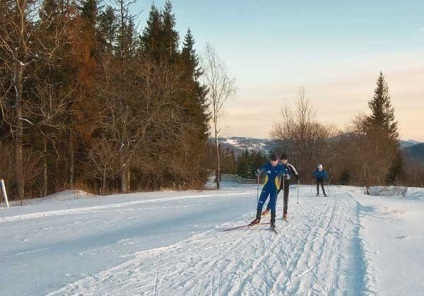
(286, 199)
(262, 199)
(272, 198)
(318, 186)
(261, 202)
(268, 206)
(323, 191)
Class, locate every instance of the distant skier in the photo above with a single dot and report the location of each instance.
(320, 175)
(274, 171)
(286, 185)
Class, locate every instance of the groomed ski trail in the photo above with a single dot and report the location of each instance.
(314, 254)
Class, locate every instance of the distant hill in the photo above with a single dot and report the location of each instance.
(415, 152)
(408, 143)
(412, 148)
(240, 144)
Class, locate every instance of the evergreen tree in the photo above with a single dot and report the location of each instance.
(108, 27)
(151, 42)
(248, 163)
(396, 170)
(169, 34)
(382, 118)
(242, 167)
(381, 134)
(192, 99)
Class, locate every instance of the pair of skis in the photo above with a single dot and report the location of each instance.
(250, 225)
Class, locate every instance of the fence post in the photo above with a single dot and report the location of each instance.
(3, 189)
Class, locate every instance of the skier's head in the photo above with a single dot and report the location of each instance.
(320, 167)
(273, 158)
(283, 158)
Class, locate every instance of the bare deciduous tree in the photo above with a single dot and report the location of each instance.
(220, 88)
(300, 135)
(103, 161)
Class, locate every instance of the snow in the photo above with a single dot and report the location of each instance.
(173, 243)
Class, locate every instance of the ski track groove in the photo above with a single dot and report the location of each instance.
(250, 261)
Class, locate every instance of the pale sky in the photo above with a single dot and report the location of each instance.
(333, 49)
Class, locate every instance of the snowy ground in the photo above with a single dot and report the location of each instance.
(173, 243)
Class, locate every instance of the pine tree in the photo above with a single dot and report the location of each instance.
(170, 35)
(192, 99)
(396, 170)
(382, 118)
(108, 27)
(195, 99)
(381, 132)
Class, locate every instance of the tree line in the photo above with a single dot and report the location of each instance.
(89, 102)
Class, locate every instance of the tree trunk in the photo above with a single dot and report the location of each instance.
(71, 159)
(104, 183)
(19, 169)
(218, 163)
(123, 175)
(45, 176)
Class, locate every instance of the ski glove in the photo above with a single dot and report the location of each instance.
(257, 172)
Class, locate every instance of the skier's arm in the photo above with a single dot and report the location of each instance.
(284, 173)
(260, 170)
(293, 169)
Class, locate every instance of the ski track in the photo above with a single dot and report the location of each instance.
(311, 254)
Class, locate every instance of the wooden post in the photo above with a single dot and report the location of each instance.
(3, 189)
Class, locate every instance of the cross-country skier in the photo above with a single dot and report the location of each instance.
(320, 175)
(274, 171)
(286, 185)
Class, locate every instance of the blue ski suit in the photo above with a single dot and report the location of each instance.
(320, 176)
(271, 186)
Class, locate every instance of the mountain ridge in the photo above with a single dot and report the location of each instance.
(412, 148)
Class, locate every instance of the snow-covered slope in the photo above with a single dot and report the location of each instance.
(173, 243)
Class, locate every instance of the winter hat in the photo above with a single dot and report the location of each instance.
(320, 166)
(283, 156)
(273, 157)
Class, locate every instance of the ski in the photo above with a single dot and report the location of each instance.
(246, 225)
(274, 230)
(264, 213)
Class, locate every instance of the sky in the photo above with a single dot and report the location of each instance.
(333, 49)
(174, 243)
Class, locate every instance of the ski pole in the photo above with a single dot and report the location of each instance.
(298, 188)
(284, 193)
(257, 191)
(312, 187)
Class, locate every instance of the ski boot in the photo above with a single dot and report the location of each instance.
(256, 221)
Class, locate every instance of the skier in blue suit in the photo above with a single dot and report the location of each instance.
(274, 171)
(285, 186)
(320, 175)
